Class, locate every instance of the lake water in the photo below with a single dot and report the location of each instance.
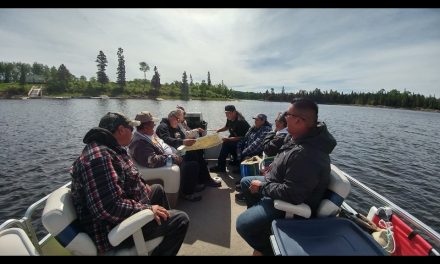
(396, 152)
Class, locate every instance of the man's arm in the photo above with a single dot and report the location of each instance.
(300, 180)
(221, 129)
(144, 154)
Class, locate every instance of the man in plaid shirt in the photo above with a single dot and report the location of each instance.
(107, 189)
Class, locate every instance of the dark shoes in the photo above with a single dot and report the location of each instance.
(217, 169)
(240, 198)
(194, 197)
(214, 183)
(238, 186)
(199, 187)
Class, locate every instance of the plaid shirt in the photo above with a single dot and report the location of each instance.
(106, 189)
(252, 143)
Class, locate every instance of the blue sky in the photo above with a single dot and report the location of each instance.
(362, 50)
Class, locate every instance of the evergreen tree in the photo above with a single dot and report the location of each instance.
(209, 79)
(37, 68)
(121, 70)
(184, 87)
(102, 63)
(144, 67)
(191, 80)
(63, 76)
(155, 82)
(25, 69)
(203, 88)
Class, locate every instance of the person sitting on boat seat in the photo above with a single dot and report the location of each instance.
(183, 125)
(148, 150)
(300, 174)
(275, 139)
(252, 143)
(169, 131)
(271, 145)
(107, 188)
(238, 127)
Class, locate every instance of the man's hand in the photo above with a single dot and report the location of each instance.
(201, 130)
(255, 186)
(177, 160)
(159, 212)
(266, 170)
(189, 142)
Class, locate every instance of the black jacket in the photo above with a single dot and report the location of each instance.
(272, 143)
(172, 136)
(301, 171)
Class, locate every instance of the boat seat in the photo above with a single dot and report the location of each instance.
(60, 220)
(322, 237)
(294, 237)
(168, 176)
(14, 241)
(338, 189)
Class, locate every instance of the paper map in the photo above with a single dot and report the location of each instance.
(205, 142)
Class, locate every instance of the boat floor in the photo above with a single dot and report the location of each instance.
(212, 221)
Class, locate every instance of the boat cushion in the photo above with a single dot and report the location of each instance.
(59, 218)
(338, 189)
(323, 236)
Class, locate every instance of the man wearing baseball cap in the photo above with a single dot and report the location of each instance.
(107, 189)
(148, 150)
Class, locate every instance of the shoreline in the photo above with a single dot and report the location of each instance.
(205, 99)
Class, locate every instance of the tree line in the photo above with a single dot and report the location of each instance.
(392, 98)
(58, 81)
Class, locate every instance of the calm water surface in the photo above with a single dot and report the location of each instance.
(395, 152)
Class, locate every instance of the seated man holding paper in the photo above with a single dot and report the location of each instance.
(170, 133)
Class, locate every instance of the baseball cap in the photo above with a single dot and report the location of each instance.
(261, 117)
(112, 120)
(229, 108)
(145, 117)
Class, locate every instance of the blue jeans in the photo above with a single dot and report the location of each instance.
(254, 224)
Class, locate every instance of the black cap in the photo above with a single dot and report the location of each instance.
(229, 108)
(261, 117)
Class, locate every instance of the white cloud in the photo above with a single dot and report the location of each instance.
(250, 49)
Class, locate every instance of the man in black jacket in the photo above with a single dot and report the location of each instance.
(300, 174)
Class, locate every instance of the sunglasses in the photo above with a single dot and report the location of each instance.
(293, 115)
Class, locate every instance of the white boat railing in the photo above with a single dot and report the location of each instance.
(25, 222)
(407, 217)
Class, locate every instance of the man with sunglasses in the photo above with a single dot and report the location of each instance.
(107, 189)
(300, 174)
